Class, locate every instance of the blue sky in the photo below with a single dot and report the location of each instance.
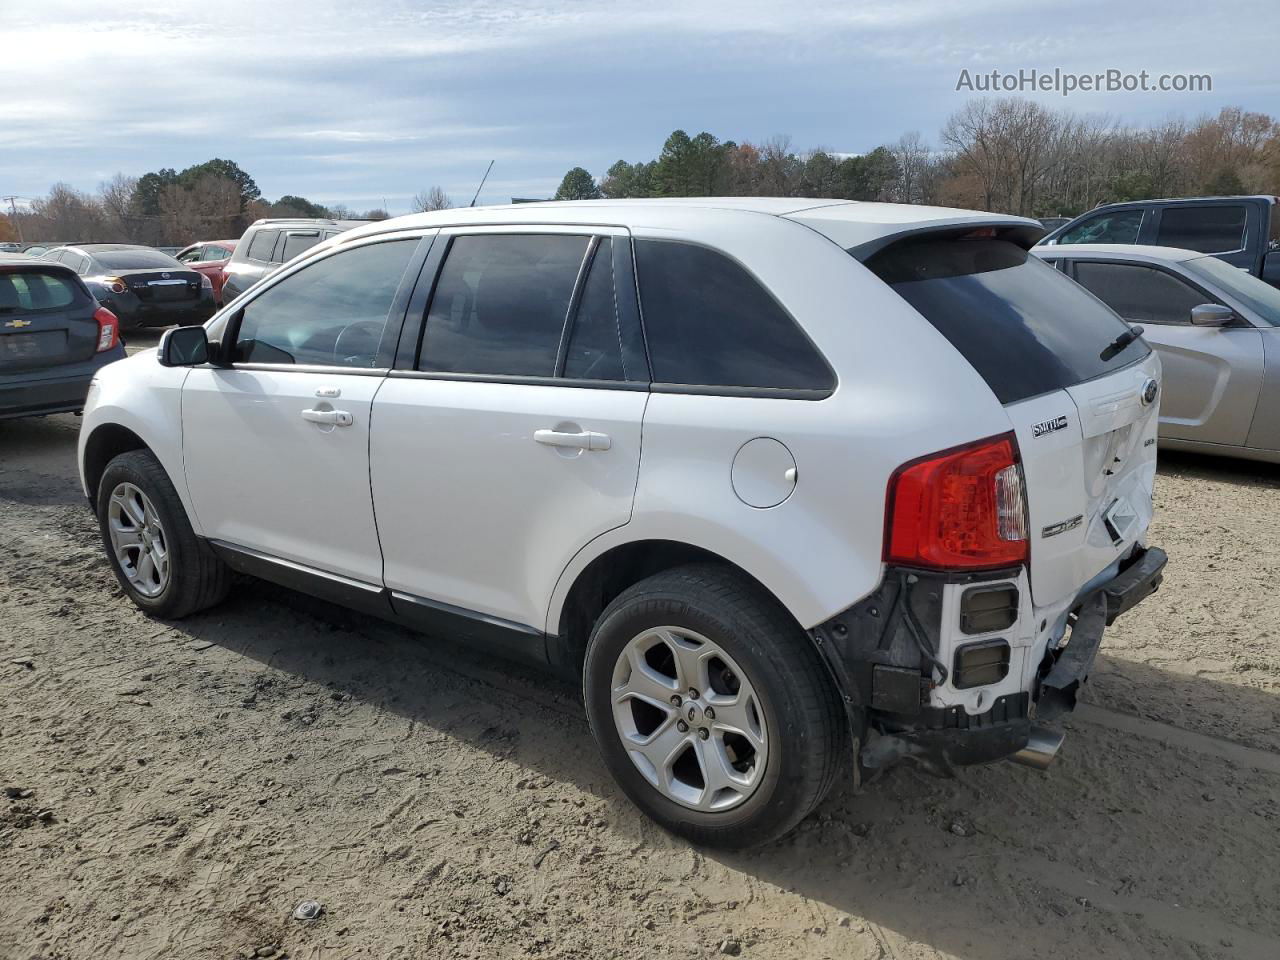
(356, 102)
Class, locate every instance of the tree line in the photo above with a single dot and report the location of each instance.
(207, 201)
(1006, 155)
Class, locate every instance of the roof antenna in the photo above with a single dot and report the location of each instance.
(481, 187)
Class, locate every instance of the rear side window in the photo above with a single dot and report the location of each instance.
(33, 292)
(261, 244)
(212, 253)
(1119, 226)
(296, 243)
(1140, 294)
(1025, 327)
(595, 345)
(1208, 229)
(708, 322)
(500, 305)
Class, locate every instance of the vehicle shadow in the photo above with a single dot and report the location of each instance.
(1129, 838)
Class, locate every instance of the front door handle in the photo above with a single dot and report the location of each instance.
(584, 440)
(337, 418)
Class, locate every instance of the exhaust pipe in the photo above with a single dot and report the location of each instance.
(1041, 748)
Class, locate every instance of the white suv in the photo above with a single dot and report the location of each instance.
(782, 481)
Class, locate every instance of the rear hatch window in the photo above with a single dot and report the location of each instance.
(46, 319)
(31, 292)
(1026, 328)
(136, 260)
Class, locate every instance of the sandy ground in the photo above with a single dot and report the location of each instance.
(175, 790)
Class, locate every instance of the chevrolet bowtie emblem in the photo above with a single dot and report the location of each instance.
(19, 323)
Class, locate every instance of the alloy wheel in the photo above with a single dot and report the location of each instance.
(689, 719)
(138, 539)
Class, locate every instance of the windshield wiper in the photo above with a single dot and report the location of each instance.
(1120, 342)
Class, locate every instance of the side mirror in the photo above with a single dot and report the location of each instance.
(1212, 315)
(184, 347)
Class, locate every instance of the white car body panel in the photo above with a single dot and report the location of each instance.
(473, 511)
(146, 398)
(262, 477)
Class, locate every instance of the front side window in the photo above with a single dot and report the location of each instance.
(1258, 295)
(1120, 226)
(190, 256)
(708, 322)
(1139, 293)
(500, 304)
(261, 244)
(331, 313)
(1207, 229)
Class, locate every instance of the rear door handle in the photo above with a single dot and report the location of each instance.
(338, 418)
(585, 440)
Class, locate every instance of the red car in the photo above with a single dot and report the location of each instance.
(209, 257)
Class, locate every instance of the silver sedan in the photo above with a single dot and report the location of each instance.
(1217, 330)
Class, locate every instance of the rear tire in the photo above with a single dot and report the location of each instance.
(745, 772)
(159, 561)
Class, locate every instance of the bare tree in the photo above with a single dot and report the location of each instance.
(120, 221)
(914, 162)
(65, 215)
(433, 199)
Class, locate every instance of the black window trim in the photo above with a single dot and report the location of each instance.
(1160, 268)
(719, 390)
(409, 349)
(228, 326)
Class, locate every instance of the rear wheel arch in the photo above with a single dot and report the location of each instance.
(618, 568)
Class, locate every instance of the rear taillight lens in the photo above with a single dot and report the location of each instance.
(959, 509)
(108, 329)
(205, 282)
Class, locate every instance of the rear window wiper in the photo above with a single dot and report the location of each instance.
(1120, 342)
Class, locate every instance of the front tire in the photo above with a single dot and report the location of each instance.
(711, 707)
(160, 562)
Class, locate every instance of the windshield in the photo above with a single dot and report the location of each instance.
(1020, 323)
(135, 260)
(1258, 295)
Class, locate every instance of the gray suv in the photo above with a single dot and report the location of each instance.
(268, 244)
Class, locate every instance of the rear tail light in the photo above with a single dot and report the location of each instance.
(114, 284)
(108, 329)
(205, 282)
(962, 508)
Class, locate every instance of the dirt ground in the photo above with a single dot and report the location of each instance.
(175, 790)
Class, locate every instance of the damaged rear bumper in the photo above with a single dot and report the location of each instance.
(942, 738)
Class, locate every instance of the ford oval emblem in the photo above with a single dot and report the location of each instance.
(1149, 391)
